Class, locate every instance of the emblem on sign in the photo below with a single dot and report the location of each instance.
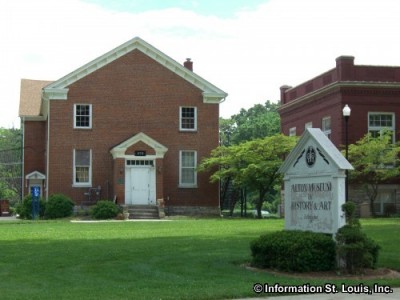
(310, 156)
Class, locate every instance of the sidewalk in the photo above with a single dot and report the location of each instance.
(8, 218)
(338, 296)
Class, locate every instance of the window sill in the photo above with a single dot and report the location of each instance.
(82, 185)
(188, 130)
(188, 186)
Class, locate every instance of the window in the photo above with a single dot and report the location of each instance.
(188, 119)
(308, 125)
(132, 162)
(377, 122)
(384, 201)
(187, 169)
(326, 126)
(83, 116)
(292, 131)
(82, 167)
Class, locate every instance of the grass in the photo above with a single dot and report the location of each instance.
(181, 259)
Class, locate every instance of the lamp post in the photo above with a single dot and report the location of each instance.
(346, 114)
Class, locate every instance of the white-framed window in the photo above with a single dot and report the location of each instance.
(379, 121)
(187, 168)
(82, 168)
(83, 116)
(326, 126)
(308, 125)
(187, 118)
(292, 131)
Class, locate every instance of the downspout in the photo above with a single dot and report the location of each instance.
(22, 158)
(48, 149)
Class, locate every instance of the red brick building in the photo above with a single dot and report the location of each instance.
(132, 124)
(372, 93)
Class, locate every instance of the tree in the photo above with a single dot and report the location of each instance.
(258, 121)
(10, 163)
(253, 164)
(375, 160)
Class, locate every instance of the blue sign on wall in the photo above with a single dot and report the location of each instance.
(35, 192)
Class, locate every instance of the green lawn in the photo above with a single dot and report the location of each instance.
(180, 259)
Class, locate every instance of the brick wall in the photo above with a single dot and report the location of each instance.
(130, 95)
(313, 98)
(34, 148)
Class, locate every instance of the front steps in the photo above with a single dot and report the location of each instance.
(141, 212)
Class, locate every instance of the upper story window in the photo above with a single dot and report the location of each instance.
(326, 126)
(308, 125)
(187, 169)
(83, 116)
(82, 167)
(292, 131)
(378, 121)
(187, 118)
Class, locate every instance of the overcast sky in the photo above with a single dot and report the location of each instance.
(248, 48)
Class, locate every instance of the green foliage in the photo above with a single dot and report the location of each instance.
(253, 164)
(375, 160)
(10, 138)
(354, 248)
(349, 209)
(105, 209)
(24, 210)
(10, 164)
(256, 122)
(58, 206)
(297, 251)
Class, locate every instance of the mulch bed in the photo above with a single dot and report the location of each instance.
(380, 273)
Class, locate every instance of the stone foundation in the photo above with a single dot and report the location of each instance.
(192, 211)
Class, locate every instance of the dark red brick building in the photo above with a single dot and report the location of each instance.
(372, 93)
(132, 124)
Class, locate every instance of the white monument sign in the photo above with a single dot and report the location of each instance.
(314, 178)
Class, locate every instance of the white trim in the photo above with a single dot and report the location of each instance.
(379, 128)
(48, 150)
(90, 116)
(36, 175)
(119, 150)
(187, 185)
(327, 132)
(292, 131)
(83, 184)
(59, 90)
(195, 119)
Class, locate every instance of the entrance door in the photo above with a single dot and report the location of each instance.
(140, 185)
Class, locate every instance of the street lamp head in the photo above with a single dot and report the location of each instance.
(346, 111)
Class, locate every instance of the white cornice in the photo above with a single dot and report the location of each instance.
(55, 93)
(59, 87)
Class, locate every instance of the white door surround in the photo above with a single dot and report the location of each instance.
(140, 183)
(140, 176)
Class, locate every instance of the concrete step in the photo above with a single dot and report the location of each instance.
(142, 211)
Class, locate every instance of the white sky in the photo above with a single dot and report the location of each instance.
(249, 53)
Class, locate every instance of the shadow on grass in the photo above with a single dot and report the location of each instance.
(181, 267)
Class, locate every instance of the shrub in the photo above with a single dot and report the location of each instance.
(105, 209)
(25, 209)
(354, 248)
(58, 206)
(299, 251)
